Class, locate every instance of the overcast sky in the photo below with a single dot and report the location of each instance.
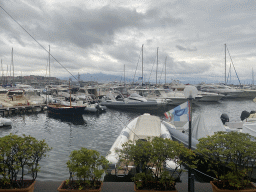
(96, 36)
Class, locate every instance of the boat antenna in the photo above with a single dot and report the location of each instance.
(38, 42)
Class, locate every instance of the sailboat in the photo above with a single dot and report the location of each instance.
(61, 109)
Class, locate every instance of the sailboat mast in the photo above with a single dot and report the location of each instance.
(49, 62)
(69, 95)
(124, 75)
(2, 71)
(156, 64)
(12, 68)
(252, 77)
(165, 70)
(142, 63)
(225, 66)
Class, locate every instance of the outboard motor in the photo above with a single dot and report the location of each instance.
(224, 118)
(244, 115)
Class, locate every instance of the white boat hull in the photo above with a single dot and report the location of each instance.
(133, 133)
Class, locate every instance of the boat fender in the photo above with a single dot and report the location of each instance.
(224, 118)
(244, 115)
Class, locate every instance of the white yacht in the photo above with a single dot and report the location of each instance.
(133, 102)
(153, 94)
(227, 91)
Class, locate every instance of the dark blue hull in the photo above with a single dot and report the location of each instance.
(65, 110)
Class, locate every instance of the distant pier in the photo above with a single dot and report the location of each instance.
(15, 110)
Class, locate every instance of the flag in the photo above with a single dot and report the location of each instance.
(179, 113)
(140, 78)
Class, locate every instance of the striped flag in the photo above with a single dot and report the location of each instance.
(179, 113)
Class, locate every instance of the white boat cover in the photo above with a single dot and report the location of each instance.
(201, 129)
(147, 126)
(249, 127)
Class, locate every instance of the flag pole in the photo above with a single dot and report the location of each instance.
(190, 93)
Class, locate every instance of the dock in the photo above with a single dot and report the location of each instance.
(23, 109)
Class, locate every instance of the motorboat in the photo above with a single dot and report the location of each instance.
(4, 122)
(14, 97)
(177, 97)
(95, 108)
(34, 97)
(133, 102)
(142, 127)
(227, 91)
(92, 103)
(210, 97)
(153, 94)
(247, 123)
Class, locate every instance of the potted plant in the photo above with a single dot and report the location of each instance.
(151, 158)
(19, 158)
(231, 156)
(87, 167)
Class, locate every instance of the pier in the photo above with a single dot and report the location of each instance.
(15, 110)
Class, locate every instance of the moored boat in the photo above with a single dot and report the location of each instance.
(142, 127)
(65, 110)
(133, 102)
(5, 122)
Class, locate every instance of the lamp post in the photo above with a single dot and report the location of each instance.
(190, 93)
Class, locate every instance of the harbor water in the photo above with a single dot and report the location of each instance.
(98, 132)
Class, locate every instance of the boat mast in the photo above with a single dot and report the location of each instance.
(49, 61)
(252, 77)
(124, 75)
(12, 68)
(142, 64)
(47, 96)
(156, 64)
(69, 95)
(2, 72)
(165, 70)
(225, 65)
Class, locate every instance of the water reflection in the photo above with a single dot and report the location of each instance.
(75, 120)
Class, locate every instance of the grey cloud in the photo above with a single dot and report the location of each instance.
(186, 48)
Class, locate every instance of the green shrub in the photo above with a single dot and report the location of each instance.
(231, 156)
(19, 157)
(153, 154)
(87, 166)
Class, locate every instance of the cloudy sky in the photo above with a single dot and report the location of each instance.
(106, 36)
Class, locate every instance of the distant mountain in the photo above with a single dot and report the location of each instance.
(99, 77)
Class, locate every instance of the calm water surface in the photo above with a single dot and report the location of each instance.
(98, 131)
